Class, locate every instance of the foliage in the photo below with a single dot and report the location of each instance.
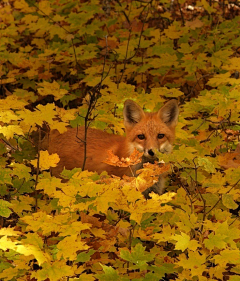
(57, 55)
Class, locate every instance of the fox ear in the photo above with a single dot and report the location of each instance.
(169, 113)
(132, 113)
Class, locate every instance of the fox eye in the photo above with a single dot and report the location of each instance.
(160, 136)
(141, 137)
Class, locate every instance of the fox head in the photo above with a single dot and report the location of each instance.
(148, 132)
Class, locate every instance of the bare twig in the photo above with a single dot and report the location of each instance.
(124, 13)
(125, 60)
(91, 106)
(181, 13)
(38, 169)
(9, 144)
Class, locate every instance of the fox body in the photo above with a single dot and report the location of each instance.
(147, 132)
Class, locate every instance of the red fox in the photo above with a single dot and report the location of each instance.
(147, 132)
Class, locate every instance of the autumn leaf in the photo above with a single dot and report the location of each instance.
(46, 160)
(11, 130)
(68, 247)
(194, 24)
(54, 271)
(229, 160)
(26, 250)
(4, 208)
(208, 166)
(228, 201)
(109, 274)
(195, 262)
(184, 242)
(138, 256)
(9, 232)
(133, 159)
(51, 88)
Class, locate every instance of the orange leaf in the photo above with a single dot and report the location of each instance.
(133, 159)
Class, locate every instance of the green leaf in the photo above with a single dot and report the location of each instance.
(138, 256)
(183, 241)
(228, 201)
(109, 274)
(160, 270)
(51, 271)
(215, 241)
(208, 165)
(5, 177)
(4, 208)
(21, 171)
(84, 257)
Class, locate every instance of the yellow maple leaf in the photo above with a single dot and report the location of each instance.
(42, 114)
(24, 203)
(23, 6)
(46, 161)
(7, 116)
(173, 33)
(60, 126)
(9, 232)
(12, 102)
(45, 6)
(137, 217)
(194, 24)
(51, 89)
(86, 277)
(103, 200)
(69, 246)
(98, 232)
(66, 115)
(54, 271)
(10, 130)
(140, 207)
(183, 241)
(73, 228)
(26, 250)
(165, 235)
(195, 262)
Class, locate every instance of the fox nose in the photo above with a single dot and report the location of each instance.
(150, 152)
